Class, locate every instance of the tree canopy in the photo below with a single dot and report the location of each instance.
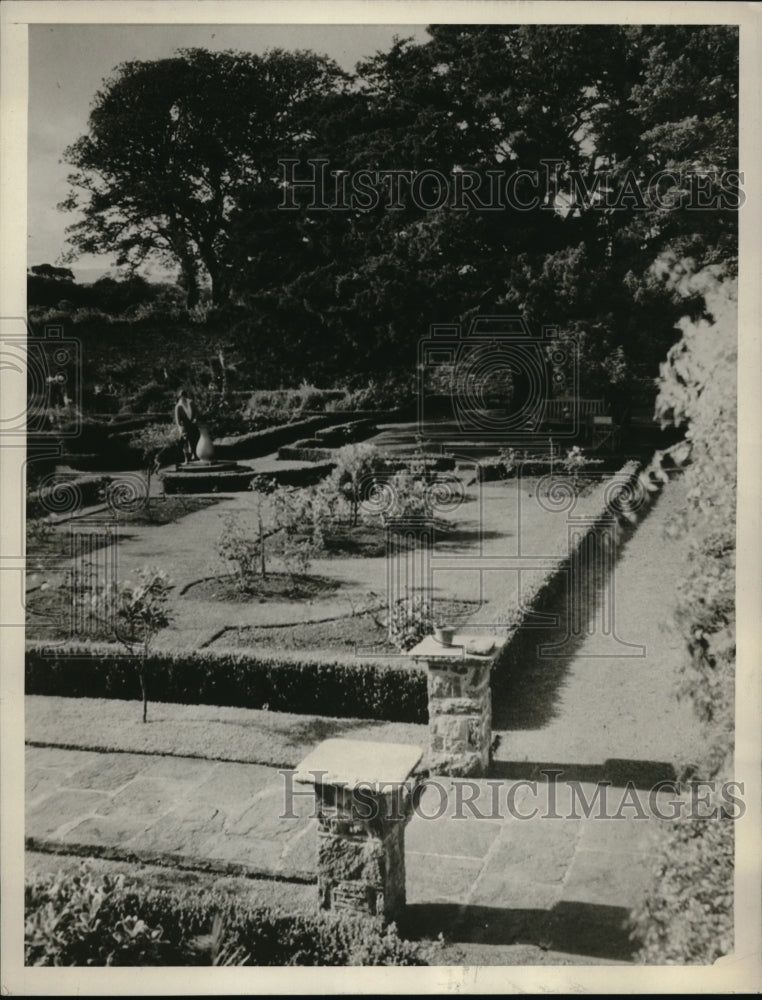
(605, 130)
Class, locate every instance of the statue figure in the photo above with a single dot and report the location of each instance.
(185, 420)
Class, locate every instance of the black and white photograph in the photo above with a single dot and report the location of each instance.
(380, 564)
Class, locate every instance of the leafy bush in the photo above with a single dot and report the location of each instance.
(410, 620)
(84, 919)
(243, 552)
(688, 917)
(306, 684)
(356, 467)
(387, 392)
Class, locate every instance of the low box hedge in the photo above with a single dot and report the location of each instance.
(339, 688)
(258, 443)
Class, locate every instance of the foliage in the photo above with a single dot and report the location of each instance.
(307, 683)
(210, 126)
(357, 466)
(698, 392)
(410, 620)
(295, 519)
(88, 919)
(244, 552)
(689, 915)
(136, 611)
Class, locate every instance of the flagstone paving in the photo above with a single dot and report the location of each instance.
(477, 869)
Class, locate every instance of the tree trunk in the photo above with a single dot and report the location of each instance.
(148, 491)
(144, 689)
(262, 550)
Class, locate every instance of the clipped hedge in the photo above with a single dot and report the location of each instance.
(84, 919)
(65, 494)
(348, 688)
(258, 443)
(307, 475)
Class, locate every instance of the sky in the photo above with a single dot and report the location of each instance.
(68, 63)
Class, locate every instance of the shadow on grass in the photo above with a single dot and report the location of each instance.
(590, 929)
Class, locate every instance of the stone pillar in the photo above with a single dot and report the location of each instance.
(363, 797)
(460, 708)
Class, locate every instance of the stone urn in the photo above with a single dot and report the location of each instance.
(204, 448)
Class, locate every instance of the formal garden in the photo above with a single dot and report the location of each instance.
(355, 566)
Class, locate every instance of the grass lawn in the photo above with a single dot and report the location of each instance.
(251, 736)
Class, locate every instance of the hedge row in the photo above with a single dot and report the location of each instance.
(258, 443)
(306, 450)
(66, 494)
(84, 919)
(308, 475)
(360, 689)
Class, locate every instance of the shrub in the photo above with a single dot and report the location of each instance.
(84, 919)
(410, 620)
(243, 552)
(356, 467)
(306, 684)
(688, 916)
(689, 919)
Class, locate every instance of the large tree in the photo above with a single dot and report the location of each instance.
(172, 145)
(607, 106)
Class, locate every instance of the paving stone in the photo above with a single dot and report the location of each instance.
(262, 855)
(456, 831)
(107, 772)
(63, 760)
(45, 817)
(496, 889)
(181, 830)
(606, 879)
(185, 769)
(265, 817)
(430, 878)
(300, 852)
(538, 850)
(235, 785)
(148, 797)
(119, 830)
(40, 781)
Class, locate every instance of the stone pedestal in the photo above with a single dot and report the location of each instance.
(460, 707)
(364, 801)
